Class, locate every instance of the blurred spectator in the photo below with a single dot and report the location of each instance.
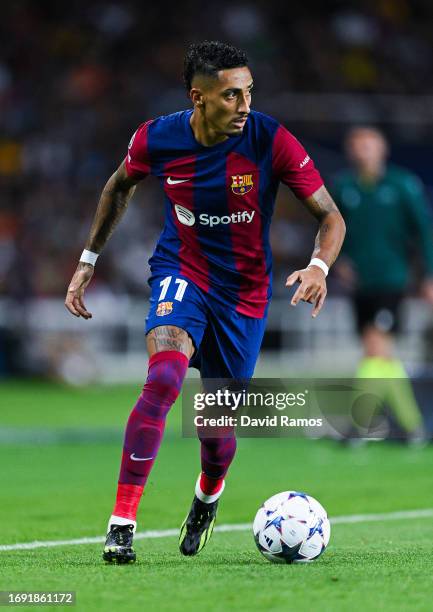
(386, 214)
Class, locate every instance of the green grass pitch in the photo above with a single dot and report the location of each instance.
(63, 488)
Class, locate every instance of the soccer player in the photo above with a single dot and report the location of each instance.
(219, 166)
(386, 210)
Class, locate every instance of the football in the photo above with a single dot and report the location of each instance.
(291, 527)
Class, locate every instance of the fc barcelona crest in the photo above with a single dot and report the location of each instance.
(164, 308)
(242, 183)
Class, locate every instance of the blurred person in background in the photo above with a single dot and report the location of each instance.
(386, 213)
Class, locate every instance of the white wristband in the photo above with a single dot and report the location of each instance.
(89, 257)
(320, 264)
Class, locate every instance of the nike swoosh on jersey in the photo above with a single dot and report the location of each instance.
(134, 458)
(171, 181)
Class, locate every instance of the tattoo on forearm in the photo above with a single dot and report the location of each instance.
(328, 242)
(111, 207)
(169, 338)
(112, 204)
(332, 229)
(323, 230)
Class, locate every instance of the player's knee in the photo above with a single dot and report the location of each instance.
(165, 376)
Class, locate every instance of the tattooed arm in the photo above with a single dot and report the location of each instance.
(327, 246)
(332, 228)
(112, 204)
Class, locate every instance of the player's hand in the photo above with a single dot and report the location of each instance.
(74, 297)
(312, 287)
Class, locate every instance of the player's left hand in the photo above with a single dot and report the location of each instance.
(312, 287)
(74, 297)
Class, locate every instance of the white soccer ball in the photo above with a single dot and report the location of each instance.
(291, 527)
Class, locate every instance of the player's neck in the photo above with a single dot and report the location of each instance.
(205, 134)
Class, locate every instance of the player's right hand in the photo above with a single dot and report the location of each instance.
(312, 287)
(74, 297)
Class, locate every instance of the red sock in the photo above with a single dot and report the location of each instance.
(210, 486)
(127, 500)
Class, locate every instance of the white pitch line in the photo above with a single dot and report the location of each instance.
(164, 533)
(386, 516)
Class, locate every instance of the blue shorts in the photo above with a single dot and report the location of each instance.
(227, 343)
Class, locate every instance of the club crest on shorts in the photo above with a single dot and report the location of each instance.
(164, 308)
(242, 183)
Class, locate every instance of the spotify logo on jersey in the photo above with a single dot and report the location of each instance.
(186, 217)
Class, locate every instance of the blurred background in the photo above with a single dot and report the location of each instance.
(74, 85)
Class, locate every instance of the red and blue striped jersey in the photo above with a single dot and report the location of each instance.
(219, 202)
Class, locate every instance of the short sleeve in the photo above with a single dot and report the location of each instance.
(137, 161)
(292, 165)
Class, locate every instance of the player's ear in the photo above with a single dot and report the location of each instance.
(196, 96)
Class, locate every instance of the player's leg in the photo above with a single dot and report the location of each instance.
(170, 348)
(217, 450)
(228, 354)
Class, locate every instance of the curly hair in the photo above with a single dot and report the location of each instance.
(209, 57)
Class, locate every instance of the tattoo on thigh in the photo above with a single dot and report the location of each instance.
(169, 338)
